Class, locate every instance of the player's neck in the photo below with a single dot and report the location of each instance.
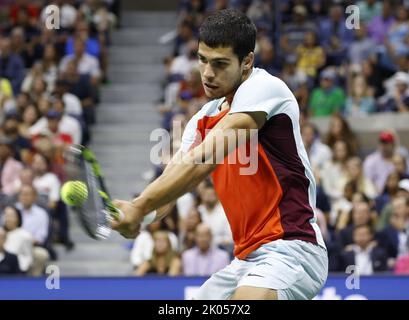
(245, 76)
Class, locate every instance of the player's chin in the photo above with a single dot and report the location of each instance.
(214, 94)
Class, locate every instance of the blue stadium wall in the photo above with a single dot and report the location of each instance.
(179, 288)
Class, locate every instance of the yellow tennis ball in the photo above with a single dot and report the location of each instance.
(74, 193)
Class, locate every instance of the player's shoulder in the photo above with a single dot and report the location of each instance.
(261, 78)
(261, 86)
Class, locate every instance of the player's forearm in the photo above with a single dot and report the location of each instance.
(171, 185)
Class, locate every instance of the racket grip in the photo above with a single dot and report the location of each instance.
(118, 215)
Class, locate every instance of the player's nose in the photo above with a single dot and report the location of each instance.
(208, 73)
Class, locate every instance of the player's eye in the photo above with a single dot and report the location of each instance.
(202, 60)
(220, 65)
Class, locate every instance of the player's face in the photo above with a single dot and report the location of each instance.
(221, 70)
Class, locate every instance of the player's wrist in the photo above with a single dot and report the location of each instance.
(147, 216)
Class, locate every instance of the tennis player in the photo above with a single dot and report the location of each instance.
(279, 251)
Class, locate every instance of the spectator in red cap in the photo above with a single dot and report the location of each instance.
(379, 164)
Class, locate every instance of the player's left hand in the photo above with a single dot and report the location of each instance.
(129, 225)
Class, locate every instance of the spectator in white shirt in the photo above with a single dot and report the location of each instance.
(35, 218)
(36, 222)
(18, 240)
(87, 64)
(143, 245)
(318, 152)
(364, 253)
(72, 102)
(57, 122)
(212, 213)
(46, 183)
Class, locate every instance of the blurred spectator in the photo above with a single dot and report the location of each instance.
(26, 177)
(294, 31)
(6, 94)
(401, 166)
(185, 33)
(373, 75)
(38, 89)
(30, 116)
(328, 98)
(143, 245)
(402, 265)
(364, 253)
(318, 153)
(45, 182)
(266, 59)
(97, 14)
(395, 41)
(311, 56)
(378, 165)
(18, 44)
(8, 261)
(386, 213)
(341, 208)
(187, 230)
(333, 173)
(398, 99)
(72, 103)
(35, 218)
(334, 35)
(18, 240)
(184, 204)
(86, 64)
(360, 215)
(182, 64)
(368, 9)
(356, 176)
(80, 85)
(339, 129)
(203, 259)
(394, 236)
(60, 126)
(213, 215)
(11, 65)
(20, 144)
(389, 193)
(379, 25)
(10, 167)
(92, 45)
(36, 222)
(296, 80)
(362, 48)
(164, 260)
(360, 101)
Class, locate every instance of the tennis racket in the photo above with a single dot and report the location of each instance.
(96, 212)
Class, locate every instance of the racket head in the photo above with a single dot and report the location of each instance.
(94, 215)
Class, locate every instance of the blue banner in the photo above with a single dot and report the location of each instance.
(179, 288)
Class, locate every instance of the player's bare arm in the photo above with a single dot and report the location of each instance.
(183, 173)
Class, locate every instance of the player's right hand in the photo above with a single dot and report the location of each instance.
(129, 225)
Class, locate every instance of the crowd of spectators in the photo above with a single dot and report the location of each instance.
(50, 77)
(335, 71)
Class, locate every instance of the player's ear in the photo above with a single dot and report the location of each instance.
(248, 61)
